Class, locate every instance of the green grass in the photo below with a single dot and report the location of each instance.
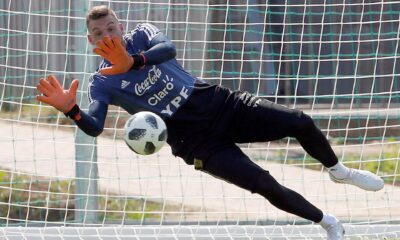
(29, 198)
(24, 198)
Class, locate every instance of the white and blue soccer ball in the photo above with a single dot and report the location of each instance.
(145, 133)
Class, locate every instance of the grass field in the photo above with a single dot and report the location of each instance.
(46, 200)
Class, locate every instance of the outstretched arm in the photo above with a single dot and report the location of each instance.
(92, 122)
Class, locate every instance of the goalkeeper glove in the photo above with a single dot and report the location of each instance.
(113, 50)
(54, 95)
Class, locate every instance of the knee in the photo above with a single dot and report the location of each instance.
(304, 124)
(274, 192)
(269, 188)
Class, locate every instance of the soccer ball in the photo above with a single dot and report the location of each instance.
(145, 133)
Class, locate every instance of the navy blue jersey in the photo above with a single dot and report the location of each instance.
(160, 88)
(188, 105)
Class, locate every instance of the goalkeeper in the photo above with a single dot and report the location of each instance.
(205, 122)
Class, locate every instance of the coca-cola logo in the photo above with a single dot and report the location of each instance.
(152, 77)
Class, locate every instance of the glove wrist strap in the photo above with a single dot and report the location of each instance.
(139, 60)
(74, 113)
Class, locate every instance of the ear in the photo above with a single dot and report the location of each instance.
(121, 27)
(90, 39)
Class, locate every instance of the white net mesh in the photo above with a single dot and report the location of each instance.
(337, 61)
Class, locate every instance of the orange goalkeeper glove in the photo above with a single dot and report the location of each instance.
(113, 50)
(55, 95)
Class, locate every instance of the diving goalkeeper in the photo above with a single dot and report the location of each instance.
(205, 122)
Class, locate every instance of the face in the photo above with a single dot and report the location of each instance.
(106, 26)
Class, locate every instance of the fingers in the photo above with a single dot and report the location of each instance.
(43, 90)
(100, 52)
(106, 45)
(73, 87)
(118, 43)
(43, 99)
(54, 82)
(112, 50)
(45, 84)
(108, 42)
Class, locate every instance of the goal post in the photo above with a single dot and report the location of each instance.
(338, 61)
(86, 169)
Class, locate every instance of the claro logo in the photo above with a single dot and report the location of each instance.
(152, 77)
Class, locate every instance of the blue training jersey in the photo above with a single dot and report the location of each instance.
(161, 88)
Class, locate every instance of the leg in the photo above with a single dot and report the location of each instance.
(233, 166)
(311, 138)
(285, 198)
(267, 121)
(313, 141)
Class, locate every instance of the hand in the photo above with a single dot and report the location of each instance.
(112, 50)
(54, 94)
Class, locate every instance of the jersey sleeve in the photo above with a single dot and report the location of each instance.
(96, 91)
(145, 32)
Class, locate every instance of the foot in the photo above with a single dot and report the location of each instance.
(335, 231)
(362, 179)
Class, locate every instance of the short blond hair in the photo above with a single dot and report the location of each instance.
(98, 12)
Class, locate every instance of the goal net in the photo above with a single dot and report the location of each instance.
(338, 61)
